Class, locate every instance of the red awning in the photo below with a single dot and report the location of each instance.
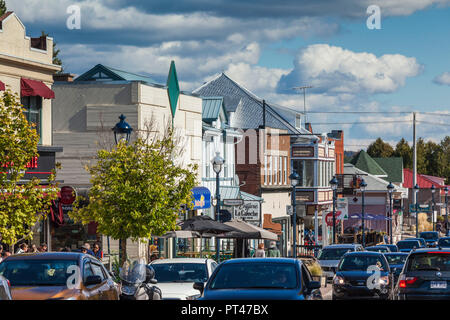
(30, 87)
(2, 86)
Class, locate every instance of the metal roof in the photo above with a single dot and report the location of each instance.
(373, 183)
(365, 162)
(229, 192)
(102, 73)
(250, 197)
(211, 107)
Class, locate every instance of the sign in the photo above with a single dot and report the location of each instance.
(202, 198)
(40, 168)
(302, 152)
(173, 88)
(68, 197)
(233, 202)
(304, 196)
(289, 210)
(342, 206)
(249, 211)
(329, 218)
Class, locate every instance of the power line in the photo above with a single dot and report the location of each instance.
(361, 122)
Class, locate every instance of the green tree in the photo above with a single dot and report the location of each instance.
(402, 149)
(22, 204)
(421, 156)
(380, 149)
(56, 59)
(3, 8)
(445, 145)
(137, 189)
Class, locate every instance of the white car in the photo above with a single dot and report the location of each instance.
(176, 277)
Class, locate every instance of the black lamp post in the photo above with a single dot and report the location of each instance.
(295, 178)
(122, 130)
(446, 211)
(362, 187)
(217, 163)
(334, 185)
(390, 188)
(416, 191)
(433, 190)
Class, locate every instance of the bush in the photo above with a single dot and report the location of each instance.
(315, 269)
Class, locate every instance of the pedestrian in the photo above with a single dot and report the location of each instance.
(34, 249)
(5, 254)
(153, 257)
(1, 253)
(260, 253)
(273, 251)
(43, 247)
(23, 248)
(88, 248)
(97, 252)
(84, 249)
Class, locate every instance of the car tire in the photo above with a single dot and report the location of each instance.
(333, 297)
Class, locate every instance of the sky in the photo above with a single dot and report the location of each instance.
(272, 46)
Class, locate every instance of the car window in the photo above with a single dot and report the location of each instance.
(429, 261)
(97, 270)
(306, 276)
(87, 270)
(213, 266)
(333, 253)
(408, 244)
(180, 272)
(444, 242)
(362, 263)
(396, 259)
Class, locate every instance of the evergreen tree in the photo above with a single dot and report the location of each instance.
(3, 8)
(402, 149)
(380, 149)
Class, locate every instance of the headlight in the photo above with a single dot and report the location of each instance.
(72, 298)
(338, 280)
(193, 297)
(129, 291)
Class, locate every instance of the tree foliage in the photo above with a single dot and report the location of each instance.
(3, 8)
(22, 204)
(380, 149)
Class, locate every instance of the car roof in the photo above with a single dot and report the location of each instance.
(409, 239)
(428, 232)
(364, 253)
(444, 238)
(396, 254)
(181, 260)
(49, 255)
(259, 260)
(378, 246)
(342, 245)
(422, 250)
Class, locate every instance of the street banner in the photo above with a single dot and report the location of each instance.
(342, 206)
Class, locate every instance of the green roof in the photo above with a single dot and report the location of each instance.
(211, 108)
(104, 73)
(250, 197)
(228, 192)
(366, 163)
(393, 167)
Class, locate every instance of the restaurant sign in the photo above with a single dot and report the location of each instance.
(249, 211)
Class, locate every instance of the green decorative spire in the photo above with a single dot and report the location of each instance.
(173, 89)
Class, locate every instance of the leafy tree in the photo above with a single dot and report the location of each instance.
(22, 204)
(420, 155)
(380, 149)
(445, 145)
(3, 8)
(56, 59)
(137, 189)
(402, 149)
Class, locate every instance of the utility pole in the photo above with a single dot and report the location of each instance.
(304, 97)
(414, 199)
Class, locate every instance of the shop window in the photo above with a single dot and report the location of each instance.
(305, 169)
(32, 112)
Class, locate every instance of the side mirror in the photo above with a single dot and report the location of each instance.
(200, 286)
(91, 280)
(314, 285)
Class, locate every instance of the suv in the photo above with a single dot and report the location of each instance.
(426, 275)
(431, 238)
(330, 256)
(408, 245)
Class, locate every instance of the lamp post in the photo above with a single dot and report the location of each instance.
(446, 210)
(362, 187)
(334, 184)
(122, 130)
(416, 191)
(390, 188)
(295, 178)
(433, 190)
(217, 163)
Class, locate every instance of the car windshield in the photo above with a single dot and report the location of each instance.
(396, 258)
(444, 242)
(410, 244)
(429, 261)
(361, 263)
(333, 253)
(256, 276)
(378, 249)
(37, 272)
(429, 235)
(180, 272)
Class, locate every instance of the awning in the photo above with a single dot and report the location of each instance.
(202, 198)
(30, 87)
(247, 231)
(2, 86)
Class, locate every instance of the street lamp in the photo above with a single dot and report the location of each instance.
(446, 210)
(433, 190)
(217, 163)
(122, 130)
(295, 179)
(416, 191)
(390, 188)
(362, 187)
(334, 185)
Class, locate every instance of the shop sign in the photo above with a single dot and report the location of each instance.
(302, 152)
(249, 211)
(68, 197)
(233, 202)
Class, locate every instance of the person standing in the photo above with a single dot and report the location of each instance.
(34, 249)
(260, 253)
(273, 251)
(88, 249)
(23, 248)
(97, 252)
(43, 247)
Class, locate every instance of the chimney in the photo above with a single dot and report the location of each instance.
(308, 127)
(63, 77)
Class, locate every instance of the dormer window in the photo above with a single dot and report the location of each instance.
(298, 121)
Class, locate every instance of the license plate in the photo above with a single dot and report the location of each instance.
(438, 285)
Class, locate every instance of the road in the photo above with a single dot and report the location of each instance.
(326, 292)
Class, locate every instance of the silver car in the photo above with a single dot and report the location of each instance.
(5, 291)
(330, 256)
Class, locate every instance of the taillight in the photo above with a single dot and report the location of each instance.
(9, 283)
(405, 281)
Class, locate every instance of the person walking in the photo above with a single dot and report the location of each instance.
(273, 251)
(260, 253)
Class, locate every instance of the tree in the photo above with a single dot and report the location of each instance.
(380, 149)
(137, 189)
(445, 145)
(22, 204)
(3, 8)
(56, 59)
(402, 149)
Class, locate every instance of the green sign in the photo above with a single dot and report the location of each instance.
(173, 88)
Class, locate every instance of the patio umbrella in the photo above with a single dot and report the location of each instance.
(182, 234)
(245, 230)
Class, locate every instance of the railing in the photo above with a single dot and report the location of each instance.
(308, 250)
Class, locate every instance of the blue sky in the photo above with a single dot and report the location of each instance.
(271, 46)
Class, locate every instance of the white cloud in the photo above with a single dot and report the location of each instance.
(443, 79)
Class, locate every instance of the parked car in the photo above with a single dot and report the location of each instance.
(379, 248)
(423, 243)
(58, 276)
(5, 290)
(176, 276)
(356, 277)
(431, 238)
(330, 256)
(391, 247)
(260, 279)
(408, 245)
(426, 275)
(444, 242)
(396, 262)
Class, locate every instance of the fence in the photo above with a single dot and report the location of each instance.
(308, 250)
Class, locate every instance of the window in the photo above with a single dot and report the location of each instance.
(97, 270)
(87, 271)
(305, 169)
(270, 170)
(33, 108)
(280, 173)
(275, 171)
(298, 121)
(207, 160)
(285, 170)
(265, 169)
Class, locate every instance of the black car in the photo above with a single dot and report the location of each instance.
(426, 275)
(379, 248)
(396, 262)
(391, 247)
(444, 242)
(408, 245)
(363, 275)
(260, 279)
(431, 238)
(422, 241)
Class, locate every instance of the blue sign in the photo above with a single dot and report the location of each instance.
(202, 198)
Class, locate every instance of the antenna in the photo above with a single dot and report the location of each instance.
(304, 96)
